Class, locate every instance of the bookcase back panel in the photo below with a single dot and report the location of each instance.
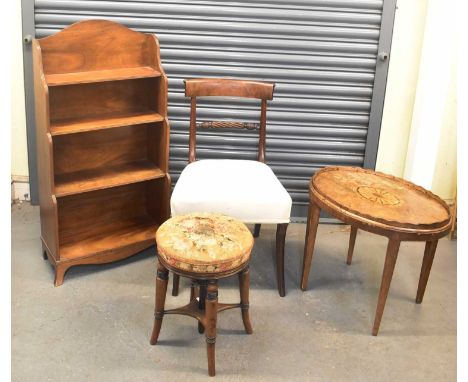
(158, 144)
(77, 152)
(113, 46)
(102, 99)
(100, 212)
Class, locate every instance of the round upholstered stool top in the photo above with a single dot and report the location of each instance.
(379, 199)
(204, 243)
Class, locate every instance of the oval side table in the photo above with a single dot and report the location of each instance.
(205, 248)
(381, 204)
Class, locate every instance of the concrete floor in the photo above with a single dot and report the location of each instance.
(96, 326)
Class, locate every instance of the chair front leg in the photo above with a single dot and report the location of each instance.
(280, 241)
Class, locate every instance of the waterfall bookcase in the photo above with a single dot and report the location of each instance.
(102, 143)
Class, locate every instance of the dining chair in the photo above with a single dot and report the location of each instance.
(244, 189)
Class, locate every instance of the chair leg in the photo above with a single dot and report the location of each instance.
(175, 285)
(161, 289)
(211, 306)
(429, 253)
(390, 260)
(311, 233)
(280, 240)
(257, 230)
(244, 284)
(352, 241)
(201, 303)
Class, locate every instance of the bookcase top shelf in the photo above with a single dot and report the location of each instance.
(105, 75)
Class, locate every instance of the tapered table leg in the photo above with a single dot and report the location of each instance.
(244, 282)
(211, 309)
(311, 233)
(352, 241)
(390, 260)
(161, 289)
(429, 253)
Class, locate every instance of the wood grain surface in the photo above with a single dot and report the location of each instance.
(102, 143)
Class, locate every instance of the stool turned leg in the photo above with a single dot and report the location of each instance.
(390, 260)
(175, 285)
(193, 291)
(244, 283)
(352, 241)
(161, 289)
(280, 240)
(429, 253)
(211, 306)
(311, 233)
(257, 230)
(201, 304)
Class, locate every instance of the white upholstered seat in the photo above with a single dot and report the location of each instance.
(245, 189)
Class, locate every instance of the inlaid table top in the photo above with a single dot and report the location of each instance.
(379, 199)
(204, 243)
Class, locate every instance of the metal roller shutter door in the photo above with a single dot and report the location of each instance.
(321, 54)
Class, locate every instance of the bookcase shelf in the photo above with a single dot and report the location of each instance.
(135, 231)
(100, 178)
(81, 125)
(94, 76)
(102, 143)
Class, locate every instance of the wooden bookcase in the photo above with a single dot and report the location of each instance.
(102, 143)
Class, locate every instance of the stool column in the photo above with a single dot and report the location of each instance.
(193, 291)
(244, 282)
(161, 288)
(211, 309)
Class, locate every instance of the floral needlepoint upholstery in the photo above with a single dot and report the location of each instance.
(204, 242)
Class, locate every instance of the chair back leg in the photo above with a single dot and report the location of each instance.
(257, 230)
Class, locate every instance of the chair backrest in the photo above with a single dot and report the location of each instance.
(220, 87)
